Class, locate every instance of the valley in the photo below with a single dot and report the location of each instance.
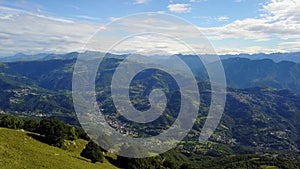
(260, 118)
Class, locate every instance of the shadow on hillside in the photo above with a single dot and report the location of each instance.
(113, 162)
(37, 137)
(79, 158)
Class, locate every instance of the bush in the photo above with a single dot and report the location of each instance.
(92, 151)
(12, 122)
(53, 131)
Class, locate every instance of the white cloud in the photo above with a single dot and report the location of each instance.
(53, 18)
(21, 31)
(33, 33)
(291, 46)
(151, 45)
(112, 19)
(280, 18)
(87, 17)
(222, 18)
(248, 50)
(23, 4)
(140, 1)
(161, 12)
(6, 17)
(165, 36)
(180, 8)
(283, 10)
(198, 1)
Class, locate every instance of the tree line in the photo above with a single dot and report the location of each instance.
(55, 132)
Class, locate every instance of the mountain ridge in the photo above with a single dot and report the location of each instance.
(276, 57)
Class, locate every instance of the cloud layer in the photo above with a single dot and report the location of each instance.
(141, 1)
(279, 21)
(26, 32)
(278, 24)
(180, 8)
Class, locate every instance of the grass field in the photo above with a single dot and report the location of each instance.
(19, 150)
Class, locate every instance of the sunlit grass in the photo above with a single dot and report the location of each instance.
(18, 150)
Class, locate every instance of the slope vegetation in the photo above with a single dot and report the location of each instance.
(19, 149)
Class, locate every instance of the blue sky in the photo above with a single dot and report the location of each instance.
(232, 26)
(200, 12)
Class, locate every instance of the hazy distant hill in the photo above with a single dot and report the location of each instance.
(23, 57)
(240, 72)
(37, 57)
(244, 73)
(276, 57)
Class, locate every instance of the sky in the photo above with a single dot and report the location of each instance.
(230, 26)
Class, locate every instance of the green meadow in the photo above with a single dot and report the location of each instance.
(20, 150)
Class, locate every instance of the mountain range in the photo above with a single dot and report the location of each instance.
(261, 112)
(276, 57)
(55, 71)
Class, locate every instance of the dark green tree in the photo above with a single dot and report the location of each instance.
(31, 125)
(92, 151)
(82, 134)
(70, 132)
(170, 164)
(137, 163)
(53, 131)
(187, 166)
(12, 122)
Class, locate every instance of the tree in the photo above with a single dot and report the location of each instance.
(187, 166)
(12, 122)
(70, 132)
(53, 131)
(170, 164)
(92, 151)
(82, 134)
(31, 125)
(137, 163)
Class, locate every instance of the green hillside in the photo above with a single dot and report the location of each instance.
(19, 150)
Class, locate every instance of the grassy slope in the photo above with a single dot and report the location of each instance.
(18, 150)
